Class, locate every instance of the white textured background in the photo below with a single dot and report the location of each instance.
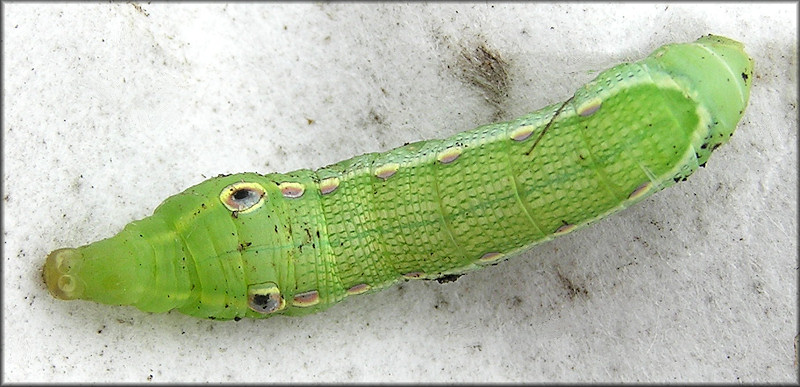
(111, 108)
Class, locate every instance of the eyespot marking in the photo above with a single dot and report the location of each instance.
(291, 190)
(265, 298)
(328, 185)
(564, 229)
(490, 257)
(306, 299)
(386, 171)
(522, 133)
(449, 155)
(358, 289)
(640, 190)
(242, 197)
(589, 107)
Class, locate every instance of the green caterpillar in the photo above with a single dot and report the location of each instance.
(250, 245)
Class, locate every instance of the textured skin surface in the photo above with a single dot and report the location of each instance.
(424, 210)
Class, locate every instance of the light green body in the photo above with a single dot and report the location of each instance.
(424, 210)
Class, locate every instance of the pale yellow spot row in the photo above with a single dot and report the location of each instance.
(358, 289)
(449, 155)
(640, 191)
(328, 185)
(522, 133)
(291, 190)
(304, 300)
(564, 229)
(589, 107)
(386, 171)
(491, 257)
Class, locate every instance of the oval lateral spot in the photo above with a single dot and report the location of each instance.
(291, 190)
(522, 133)
(414, 275)
(386, 171)
(589, 107)
(328, 185)
(564, 229)
(449, 155)
(640, 190)
(358, 289)
(490, 257)
(306, 299)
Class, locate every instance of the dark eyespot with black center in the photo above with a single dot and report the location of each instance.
(264, 303)
(241, 197)
(265, 298)
(242, 194)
